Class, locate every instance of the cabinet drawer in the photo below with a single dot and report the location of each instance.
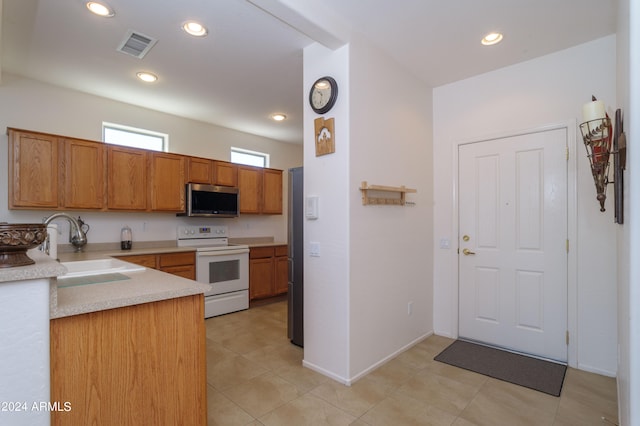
(185, 271)
(177, 259)
(147, 260)
(260, 252)
(281, 251)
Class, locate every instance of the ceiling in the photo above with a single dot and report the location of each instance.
(250, 64)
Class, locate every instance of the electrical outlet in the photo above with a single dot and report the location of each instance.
(409, 308)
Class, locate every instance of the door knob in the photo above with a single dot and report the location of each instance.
(467, 252)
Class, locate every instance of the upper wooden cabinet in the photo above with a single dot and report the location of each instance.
(260, 190)
(84, 174)
(56, 172)
(225, 174)
(200, 170)
(167, 182)
(272, 191)
(126, 178)
(250, 189)
(33, 170)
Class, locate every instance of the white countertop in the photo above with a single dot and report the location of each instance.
(138, 287)
(133, 289)
(101, 254)
(45, 267)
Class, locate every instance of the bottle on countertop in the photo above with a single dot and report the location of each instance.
(126, 238)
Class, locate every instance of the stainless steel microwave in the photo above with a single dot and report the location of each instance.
(210, 201)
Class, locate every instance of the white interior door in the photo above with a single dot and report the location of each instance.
(513, 243)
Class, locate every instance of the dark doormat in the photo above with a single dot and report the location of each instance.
(533, 373)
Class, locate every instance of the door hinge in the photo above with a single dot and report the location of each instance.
(567, 337)
(567, 153)
(567, 245)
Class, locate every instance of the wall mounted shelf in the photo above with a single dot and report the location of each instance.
(387, 195)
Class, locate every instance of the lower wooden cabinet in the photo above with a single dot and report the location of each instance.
(182, 264)
(268, 271)
(137, 365)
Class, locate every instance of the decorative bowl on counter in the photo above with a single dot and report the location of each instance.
(16, 239)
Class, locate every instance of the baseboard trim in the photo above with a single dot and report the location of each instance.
(353, 379)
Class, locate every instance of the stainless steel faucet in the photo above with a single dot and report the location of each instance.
(78, 238)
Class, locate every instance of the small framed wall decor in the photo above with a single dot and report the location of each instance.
(324, 136)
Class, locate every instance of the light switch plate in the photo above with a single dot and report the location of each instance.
(311, 210)
(314, 249)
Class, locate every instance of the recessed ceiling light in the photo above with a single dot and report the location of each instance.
(147, 77)
(492, 38)
(195, 29)
(100, 9)
(278, 117)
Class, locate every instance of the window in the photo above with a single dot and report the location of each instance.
(249, 158)
(136, 138)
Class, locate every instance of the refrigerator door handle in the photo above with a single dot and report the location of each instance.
(290, 260)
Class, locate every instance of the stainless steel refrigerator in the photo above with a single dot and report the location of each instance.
(296, 260)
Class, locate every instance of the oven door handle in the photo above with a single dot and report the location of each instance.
(221, 252)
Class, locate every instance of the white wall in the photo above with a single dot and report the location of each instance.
(374, 259)
(541, 92)
(326, 278)
(32, 105)
(628, 91)
(391, 246)
(24, 353)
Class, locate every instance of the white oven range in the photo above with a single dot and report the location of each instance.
(225, 267)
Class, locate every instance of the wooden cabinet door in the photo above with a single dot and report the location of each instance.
(83, 177)
(281, 279)
(200, 170)
(260, 278)
(33, 170)
(126, 178)
(250, 188)
(185, 271)
(272, 191)
(225, 174)
(167, 182)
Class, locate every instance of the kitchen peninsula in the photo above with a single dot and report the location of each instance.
(128, 348)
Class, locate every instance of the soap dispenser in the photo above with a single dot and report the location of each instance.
(125, 238)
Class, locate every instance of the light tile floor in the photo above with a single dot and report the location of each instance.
(255, 377)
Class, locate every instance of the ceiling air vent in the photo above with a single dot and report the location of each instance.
(136, 44)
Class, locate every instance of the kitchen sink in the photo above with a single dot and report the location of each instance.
(83, 268)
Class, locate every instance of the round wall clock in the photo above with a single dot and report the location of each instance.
(323, 94)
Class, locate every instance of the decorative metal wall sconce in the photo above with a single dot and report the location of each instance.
(597, 134)
(619, 165)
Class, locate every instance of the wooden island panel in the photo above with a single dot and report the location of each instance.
(140, 364)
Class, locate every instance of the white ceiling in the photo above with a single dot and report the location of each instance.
(250, 64)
